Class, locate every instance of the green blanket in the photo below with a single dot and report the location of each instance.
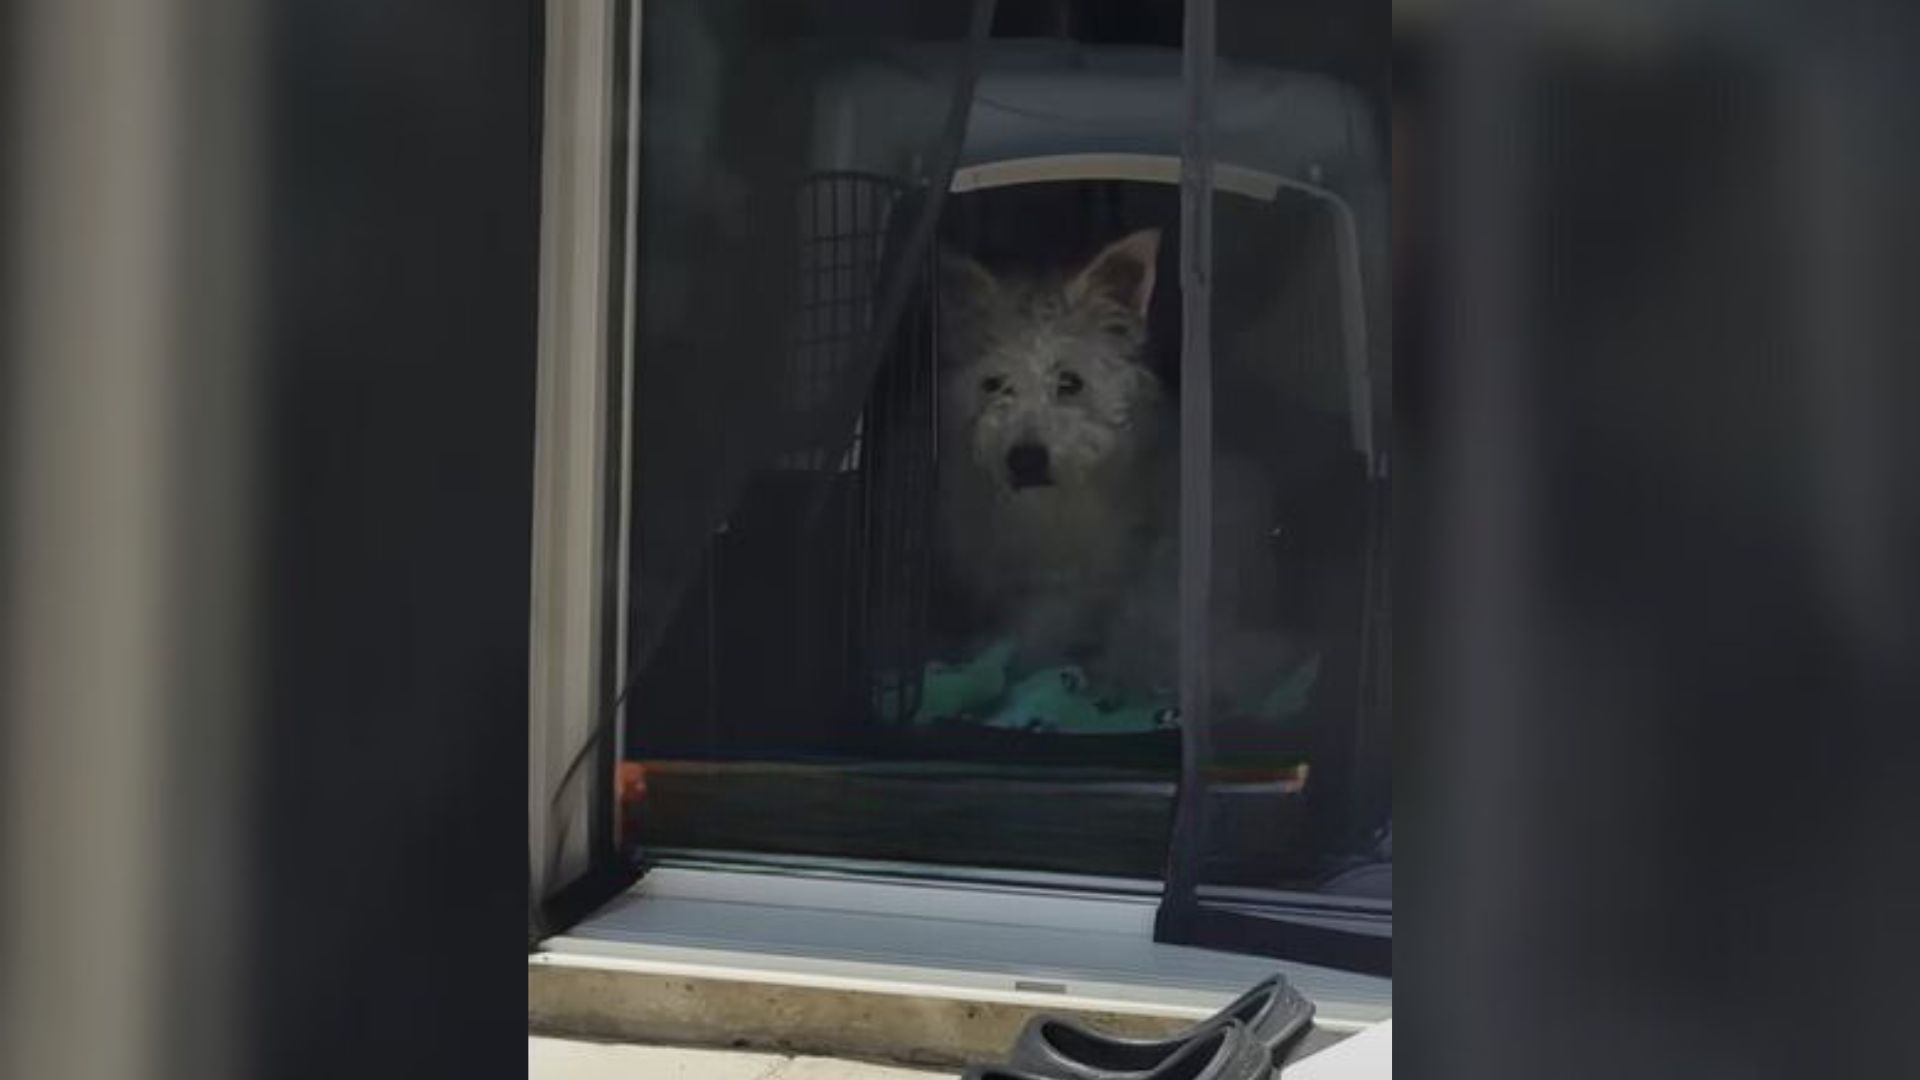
(984, 690)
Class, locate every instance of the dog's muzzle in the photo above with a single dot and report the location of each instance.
(1028, 465)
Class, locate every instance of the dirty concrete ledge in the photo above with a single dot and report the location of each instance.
(907, 1025)
(572, 1059)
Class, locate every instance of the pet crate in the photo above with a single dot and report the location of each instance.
(817, 606)
(815, 586)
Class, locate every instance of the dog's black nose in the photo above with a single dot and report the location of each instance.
(1029, 466)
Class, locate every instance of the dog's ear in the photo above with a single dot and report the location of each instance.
(1122, 272)
(964, 281)
(967, 291)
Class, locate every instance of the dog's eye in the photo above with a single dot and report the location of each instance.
(992, 384)
(1071, 384)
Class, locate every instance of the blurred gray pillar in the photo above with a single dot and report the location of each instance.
(1485, 476)
(125, 537)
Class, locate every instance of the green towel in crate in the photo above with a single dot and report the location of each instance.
(953, 691)
(1058, 700)
(983, 690)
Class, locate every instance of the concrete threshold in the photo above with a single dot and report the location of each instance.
(908, 1023)
(890, 972)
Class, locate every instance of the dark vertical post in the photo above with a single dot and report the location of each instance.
(1196, 463)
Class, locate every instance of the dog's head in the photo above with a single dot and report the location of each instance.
(1045, 382)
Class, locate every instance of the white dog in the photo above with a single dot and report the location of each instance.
(1055, 467)
(1059, 480)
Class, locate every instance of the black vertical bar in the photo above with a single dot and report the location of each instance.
(603, 858)
(1196, 467)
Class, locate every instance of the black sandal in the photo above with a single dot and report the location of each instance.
(1226, 1051)
(1272, 1012)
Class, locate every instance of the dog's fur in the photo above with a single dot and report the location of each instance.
(1054, 554)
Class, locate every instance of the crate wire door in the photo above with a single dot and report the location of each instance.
(851, 228)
